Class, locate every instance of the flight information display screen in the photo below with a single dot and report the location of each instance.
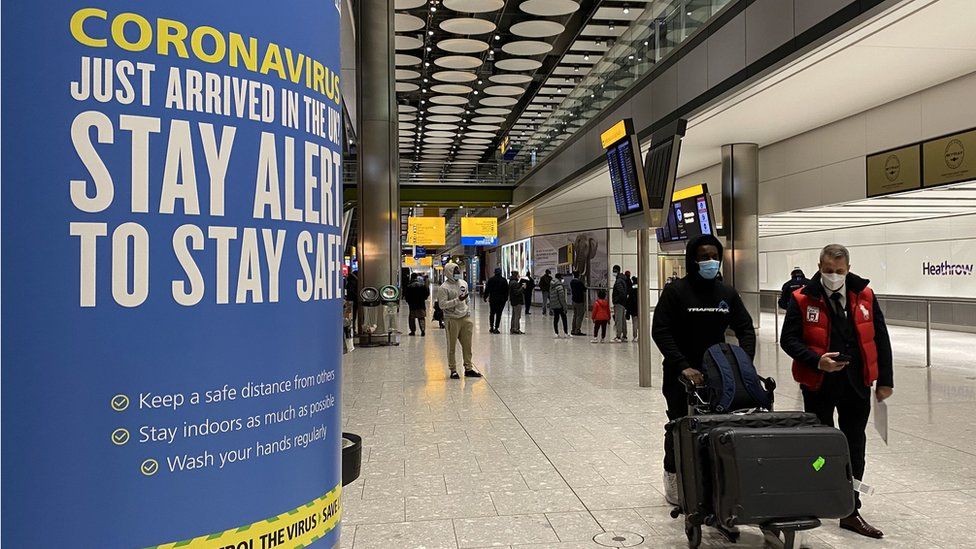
(623, 177)
(688, 218)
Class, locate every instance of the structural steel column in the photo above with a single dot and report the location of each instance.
(740, 220)
(378, 157)
(645, 263)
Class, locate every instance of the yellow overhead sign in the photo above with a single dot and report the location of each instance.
(616, 132)
(479, 231)
(691, 191)
(427, 261)
(426, 231)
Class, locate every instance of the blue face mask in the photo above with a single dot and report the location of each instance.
(709, 269)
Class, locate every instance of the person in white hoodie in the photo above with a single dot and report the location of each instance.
(452, 296)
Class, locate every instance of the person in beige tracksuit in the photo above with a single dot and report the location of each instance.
(452, 296)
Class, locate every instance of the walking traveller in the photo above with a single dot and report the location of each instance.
(577, 290)
(416, 295)
(621, 287)
(693, 314)
(529, 287)
(601, 316)
(633, 305)
(836, 334)
(559, 305)
(516, 297)
(496, 294)
(797, 280)
(453, 299)
(544, 284)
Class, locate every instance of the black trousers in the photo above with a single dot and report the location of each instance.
(556, 315)
(495, 314)
(677, 399)
(853, 408)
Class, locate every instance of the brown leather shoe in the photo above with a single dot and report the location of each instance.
(856, 523)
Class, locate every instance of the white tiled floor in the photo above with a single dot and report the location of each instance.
(558, 444)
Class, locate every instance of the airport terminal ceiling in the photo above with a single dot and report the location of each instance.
(476, 76)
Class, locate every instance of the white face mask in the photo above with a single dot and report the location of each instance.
(832, 281)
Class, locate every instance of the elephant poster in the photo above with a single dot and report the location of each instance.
(584, 251)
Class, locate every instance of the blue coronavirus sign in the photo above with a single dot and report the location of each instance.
(171, 286)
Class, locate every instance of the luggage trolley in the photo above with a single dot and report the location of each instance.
(698, 476)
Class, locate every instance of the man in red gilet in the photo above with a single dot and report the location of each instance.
(836, 334)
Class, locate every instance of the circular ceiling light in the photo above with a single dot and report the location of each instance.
(444, 118)
(404, 22)
(445, 109)
(406, 108)
(442, 127)
(406, 60)
(537, 29)
(407, 43)
(487, 135)
(439, 133)
(468, 25)
(408, 4)
(498, 101)
(484, 128)
(474, 6)
(477, 141)
(504, 90)
(407, 125)
(406, 133)
(518, 64)
(462, 45)
(448, 100)
(488, 120)
(458, 62)
(527, 47)
(404, 87)
(451, 88)
(438, 140)
(455, 76)
(493, 111)
(510, 78)
(406, 74)
(549, 8)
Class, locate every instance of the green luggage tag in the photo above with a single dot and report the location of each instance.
(819, 463)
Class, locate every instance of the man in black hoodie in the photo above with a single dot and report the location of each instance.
(496, 294)
(797, 280)
(693, 314)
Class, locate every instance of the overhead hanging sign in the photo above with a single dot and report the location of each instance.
(479, 231)
(894, 171)
(426, 231)
(172, 201)
(426, 261)
(950, 159)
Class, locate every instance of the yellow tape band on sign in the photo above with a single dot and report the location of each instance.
(291, 530)
(694, 190)
(616, 132)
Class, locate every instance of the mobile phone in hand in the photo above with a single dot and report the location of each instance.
(842, 358)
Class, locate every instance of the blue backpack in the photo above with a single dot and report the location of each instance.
(731, 381)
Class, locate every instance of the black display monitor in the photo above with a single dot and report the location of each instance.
(641, 190)
(689, 216)
(620, 145)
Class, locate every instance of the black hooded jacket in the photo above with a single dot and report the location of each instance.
(496, 289)
(693, 314)
(796, 281)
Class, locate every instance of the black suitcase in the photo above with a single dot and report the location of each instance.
(761, 475)
(692, 455)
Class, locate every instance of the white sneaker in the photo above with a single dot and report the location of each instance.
(594, 340)
(616, 340)
(557, 336)
(671, 488)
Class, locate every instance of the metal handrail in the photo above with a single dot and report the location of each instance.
(928, 301)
